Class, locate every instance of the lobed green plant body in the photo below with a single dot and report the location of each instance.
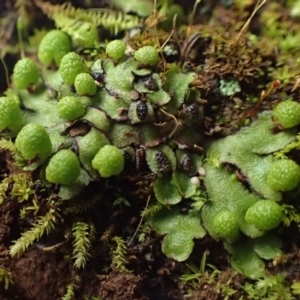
(25, 73)
(287, 113)
(53, 47)
(71, 65)
(108, 161)
(130, 114)
(33, 142)
(265, 214)
(10, 115)
(63, 168)
(147, 56)
(284, 175)
(85, 85)
(70, 108)
(115, 49)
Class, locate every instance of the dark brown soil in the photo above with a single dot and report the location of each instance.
(44, 275)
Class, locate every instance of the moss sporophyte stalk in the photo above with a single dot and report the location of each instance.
(124, 116)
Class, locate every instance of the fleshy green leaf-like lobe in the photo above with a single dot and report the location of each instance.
(165, 191)
(180, 228)
(247, 255)
(178, 245)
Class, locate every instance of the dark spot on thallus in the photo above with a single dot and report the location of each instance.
(142, 110)
(187, 163)
(193, 110)
(163, 162)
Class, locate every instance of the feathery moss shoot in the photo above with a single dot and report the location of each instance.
(70, 108)
(109, 161)
(25, 73)
(70, 66)
(115, 49)
(54, 45)
(33, 141)
(63, 168)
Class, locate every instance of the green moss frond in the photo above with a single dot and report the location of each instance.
(119, 260)
(5, 278)
(77, 206)
(291, 215)
(295, 9)
(289, 42)
(106, 235)
(34, 208)
(22, 187)
(295, 145)
(83, 235)
(8, 145)
(4, 185)
(269, 287)
(70, 292)
(143, 232)
(24, 8)
(115, 21)
(151, 210)
(213, 159)
(44, 225)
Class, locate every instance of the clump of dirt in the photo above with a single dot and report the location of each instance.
(120, 286)
(40, 275)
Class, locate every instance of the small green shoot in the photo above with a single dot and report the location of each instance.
(291, 214)
(70, 292)
(83, 235)
(5, 278)
(44, 225)
(272, 287)
(196, 276)
(296, 288)
(4, 185)
(119, 260)
(295, 145)
(120, 201)
(225, 290)
(22, 188)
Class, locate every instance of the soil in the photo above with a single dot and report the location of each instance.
(44, 275)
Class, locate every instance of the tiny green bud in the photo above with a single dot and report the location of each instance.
(63, 168)
(85, 85)
(25, 73)
(33, 141)
(115, 49)
(264, 214)
(70, 66)
(283, 175)
(147, 55)
(109, 161)
(70, 108)
(54, 45)
(287, 113)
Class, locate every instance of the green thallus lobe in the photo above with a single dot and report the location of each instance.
(33, 141)
(109, 161)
